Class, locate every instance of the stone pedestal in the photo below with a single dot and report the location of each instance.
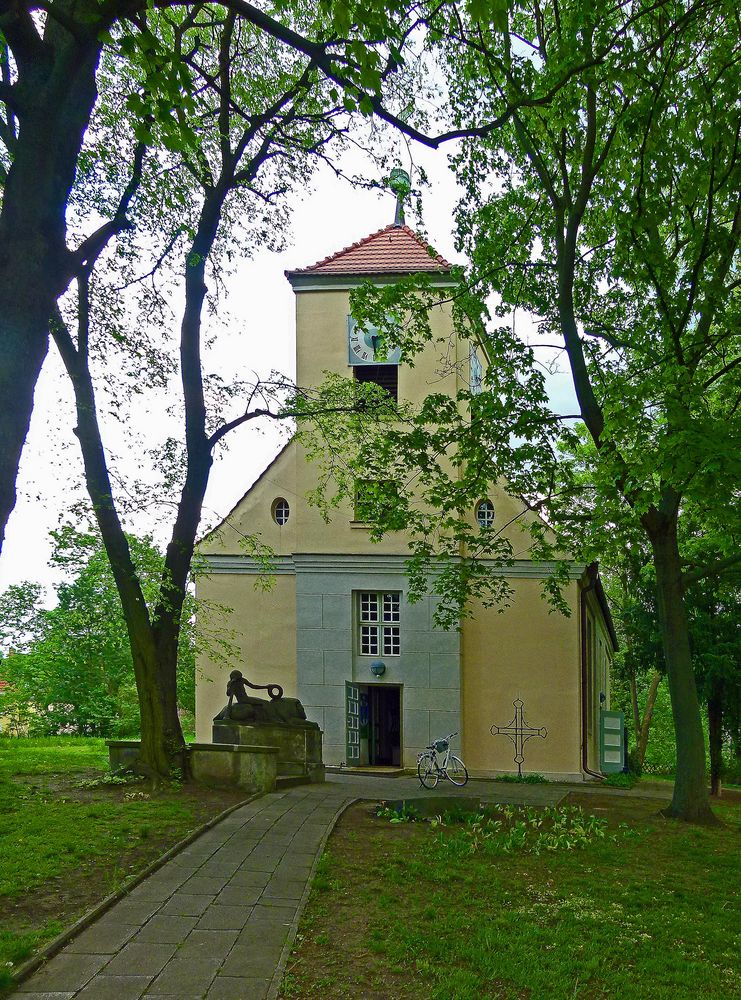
(299, 745)
(253, 768)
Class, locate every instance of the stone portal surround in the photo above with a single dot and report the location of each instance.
(428, 669)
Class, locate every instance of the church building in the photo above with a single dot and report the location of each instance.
(336, 629)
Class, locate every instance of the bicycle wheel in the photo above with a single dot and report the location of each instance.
(428, 772)
(456, 771)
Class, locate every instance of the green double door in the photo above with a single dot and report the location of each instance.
(372, 725)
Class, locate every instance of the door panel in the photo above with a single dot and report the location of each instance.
(612, 742)
(352, 724)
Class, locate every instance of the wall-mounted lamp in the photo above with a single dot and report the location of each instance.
(378, 668)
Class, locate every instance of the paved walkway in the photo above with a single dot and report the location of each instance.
(217, 921)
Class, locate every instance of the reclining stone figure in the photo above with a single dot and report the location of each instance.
(255, 710)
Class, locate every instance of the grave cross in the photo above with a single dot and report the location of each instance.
(519, 733)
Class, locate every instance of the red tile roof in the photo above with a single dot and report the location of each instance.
(393, 250)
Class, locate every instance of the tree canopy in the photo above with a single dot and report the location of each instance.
(69, 667)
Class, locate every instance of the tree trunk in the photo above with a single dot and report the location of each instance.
(162, 743)
(648, 712)
(690, 800)
(53, 98)
(715, 734)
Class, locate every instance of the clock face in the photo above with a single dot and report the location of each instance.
(362, 346)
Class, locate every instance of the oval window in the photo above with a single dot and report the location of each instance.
(281, 511)
(485, 513)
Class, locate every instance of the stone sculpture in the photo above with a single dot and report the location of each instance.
(251, 710)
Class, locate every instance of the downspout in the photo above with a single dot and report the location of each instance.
(592, 576)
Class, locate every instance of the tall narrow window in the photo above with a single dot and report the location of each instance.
(376, 499)
(485, 513)
(476, 371)
(379, 619)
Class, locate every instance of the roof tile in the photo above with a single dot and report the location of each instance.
(393, 250)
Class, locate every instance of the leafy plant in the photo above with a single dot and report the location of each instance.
(404, 813)
(518, 829)
(620, 780)
(522, 779)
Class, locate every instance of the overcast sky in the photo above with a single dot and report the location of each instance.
(261, 338)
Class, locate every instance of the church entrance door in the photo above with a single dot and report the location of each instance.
(384, 725)
(373, 725)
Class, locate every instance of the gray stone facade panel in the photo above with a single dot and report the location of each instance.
(337, 611)
(416, 727)
(432, 699)
(337, 666)
(310, 666)
(334, 726)
(417, 616)
(309, 638)
(323, 638)
(444, 670)
(443, 723)
(431, 642)
(414, 669)
(324, 695)
(427, 669)
(308, 611)
(361, 672)
(341, 584)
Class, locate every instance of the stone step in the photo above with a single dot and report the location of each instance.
(291, 768)
(290, 780)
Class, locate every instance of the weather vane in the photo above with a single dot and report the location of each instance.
(518, 733)
(401, 184)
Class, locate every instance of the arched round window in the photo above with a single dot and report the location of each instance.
(281, 511)
(485, 513)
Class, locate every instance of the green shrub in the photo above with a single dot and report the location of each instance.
(620, 780)
(523, 779)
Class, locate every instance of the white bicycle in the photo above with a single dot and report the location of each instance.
(436, 762)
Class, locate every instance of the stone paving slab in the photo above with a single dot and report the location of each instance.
(217, 921)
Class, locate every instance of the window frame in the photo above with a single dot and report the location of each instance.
(485, 524)
(375, 487)
(378, 622)
(278, 502)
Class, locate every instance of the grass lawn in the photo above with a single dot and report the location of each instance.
(63, 847)
(648, 908)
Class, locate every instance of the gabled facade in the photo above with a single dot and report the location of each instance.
(337, 631)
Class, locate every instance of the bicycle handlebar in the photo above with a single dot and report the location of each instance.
(431, 746)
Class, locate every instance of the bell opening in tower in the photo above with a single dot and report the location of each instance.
(384, 376)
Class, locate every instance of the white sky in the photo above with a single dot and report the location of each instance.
(260, 339)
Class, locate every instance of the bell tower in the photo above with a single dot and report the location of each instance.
(328, 337)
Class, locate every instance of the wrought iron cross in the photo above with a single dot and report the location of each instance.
(518, 733)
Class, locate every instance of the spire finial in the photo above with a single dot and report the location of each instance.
(401, 184)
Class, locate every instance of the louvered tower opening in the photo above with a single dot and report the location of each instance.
(385, 376)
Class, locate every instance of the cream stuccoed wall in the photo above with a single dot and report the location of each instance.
(264, 625)
(529, 654)
(322, 346)
(523, 652)
(252, 516)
